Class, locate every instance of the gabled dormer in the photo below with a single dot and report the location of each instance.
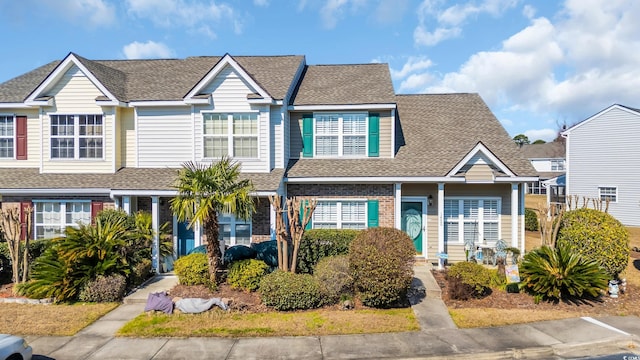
(480, 165)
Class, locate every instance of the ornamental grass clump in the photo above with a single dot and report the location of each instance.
(597, 236)
(561, 274)
(381, 263)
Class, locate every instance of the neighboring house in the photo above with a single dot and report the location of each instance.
(603, 157)
(549, 161)
(79, 135)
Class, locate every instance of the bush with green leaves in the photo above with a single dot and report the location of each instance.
(36, 249)
(320, 243)
(334, 278)
(530, 220)
(104, 289)
(598, 236)
(561, 273)
(247, 274)
(285, 291)
(141, 272)
(469, 279)
(381, 263)
(193, 269)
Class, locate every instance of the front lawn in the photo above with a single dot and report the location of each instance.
(53, 320)
(217, 323)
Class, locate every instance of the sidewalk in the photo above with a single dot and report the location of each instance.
(439, 337)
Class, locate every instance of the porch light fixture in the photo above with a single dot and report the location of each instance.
(430, 198)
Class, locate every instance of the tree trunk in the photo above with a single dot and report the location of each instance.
(212, 231)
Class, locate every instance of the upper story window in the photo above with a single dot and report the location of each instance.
(7, 131)
(608, 193)
(77, 137)
(341, 134)
(557, 165)
(230, 134)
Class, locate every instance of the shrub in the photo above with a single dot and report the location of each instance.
(561, 273)
(381, 263)
(104, 289)
(468, 279)
(193, 269)
(530, 220)
(141, 272)
(334, 278)
(288, 291)
(319, 243)
(598, 236)
(246, 274)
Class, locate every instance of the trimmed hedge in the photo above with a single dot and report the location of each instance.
(468, 279)
(247, 274)
(320, 243)
(530, 220)
(193, 269)
(381, 263)
(596, 235)
(334, 278)
(288, 291)
(104, 289)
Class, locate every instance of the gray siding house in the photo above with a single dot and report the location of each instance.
(603, 160)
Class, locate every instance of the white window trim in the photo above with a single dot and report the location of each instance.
(63, 213)
(615, 188)
(339, 201)
(12, 137)
(77, 137)
(558, 163)
(232, 234)
(460, 221)
(230, 135)
(341, 135)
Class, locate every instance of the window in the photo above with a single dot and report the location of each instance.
(7, 126)
(536, 187)
(557, 165)
(230, 134)
(340, 215)
(234, 231)
(52, 217)
(608, 193)
(77, 137)
(341, 134)
(471, 219)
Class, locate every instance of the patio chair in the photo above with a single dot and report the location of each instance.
(470, 249)
(500, 252)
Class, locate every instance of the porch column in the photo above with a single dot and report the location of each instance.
(155, 250)
(514, 214)
(521, 217)
(272, 221)
(440, 224)
(397, 205)
(126, 204)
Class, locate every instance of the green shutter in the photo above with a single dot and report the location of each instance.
(307, 135)
(374, 135)
(310, 223)
(372, 213)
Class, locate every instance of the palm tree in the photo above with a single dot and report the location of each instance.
(204, 191)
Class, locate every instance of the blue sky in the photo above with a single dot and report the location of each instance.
(538, 64)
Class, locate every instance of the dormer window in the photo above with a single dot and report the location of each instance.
(230, 134)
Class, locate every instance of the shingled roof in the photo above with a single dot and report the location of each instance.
(162, 79)
(550, 150)
(345, 85)
(124, 179)
(434, 133)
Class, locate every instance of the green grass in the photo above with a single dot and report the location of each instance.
(217, 323)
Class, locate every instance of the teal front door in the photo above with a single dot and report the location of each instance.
(186, 238)
(411, 215)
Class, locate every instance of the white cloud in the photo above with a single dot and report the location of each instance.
(333, 10)
(148, 50)
(412, 65)
(529, 11)
(262, 3)
(448, 22)
(541, 134)
(87, 13)
(190, 14)
(414, 81)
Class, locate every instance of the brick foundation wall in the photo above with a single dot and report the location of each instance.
(381, 192)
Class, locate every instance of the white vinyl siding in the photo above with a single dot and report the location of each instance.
(340, 215)
(340, 135)
(52, 217)
(604, 151)
(164, 137)
(474, 219)
(33, 139)
(234, 231)
(7, 136)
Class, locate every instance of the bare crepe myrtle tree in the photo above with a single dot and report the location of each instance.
(299, 213)
(16, 233)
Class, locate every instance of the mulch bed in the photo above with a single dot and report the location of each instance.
(498, 299)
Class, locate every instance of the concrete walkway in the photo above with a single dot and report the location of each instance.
(438, 339)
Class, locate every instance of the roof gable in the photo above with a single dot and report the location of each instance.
(480, 154)
(61, 69)
(227, 60)
(610, 108)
